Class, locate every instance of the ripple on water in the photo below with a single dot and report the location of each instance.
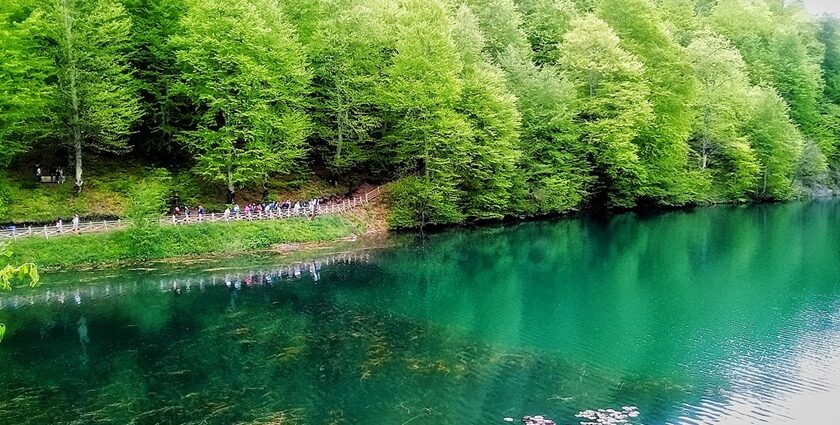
(792, 382)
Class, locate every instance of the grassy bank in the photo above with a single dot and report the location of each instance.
(108, 185)
(178, 241)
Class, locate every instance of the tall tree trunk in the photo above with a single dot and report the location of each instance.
(340, 130)
(230, 186)
(75, 116)
(705, 146)
(764, 186)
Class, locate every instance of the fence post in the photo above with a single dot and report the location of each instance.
(105, 224)
(46, 236)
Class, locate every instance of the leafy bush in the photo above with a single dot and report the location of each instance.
(147, 202)
(416, 202)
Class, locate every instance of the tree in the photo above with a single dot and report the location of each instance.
(501, 23)
(77, 53)
(97, 102)
(23, 83)
(554, 166)
(349, 52)
(245, 73)
(164, 112)
(545, 22)
(777, 142)
(664, 144)
(780, 47)
(490, 109)
(612, 106)
(680, 19)
(721, 110)
(421, 93)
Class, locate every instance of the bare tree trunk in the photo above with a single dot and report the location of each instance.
(230, 186)
(75, 117)
(340, 131)
(764, 188)
(705, 146)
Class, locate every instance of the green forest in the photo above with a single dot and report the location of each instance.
(467, 109)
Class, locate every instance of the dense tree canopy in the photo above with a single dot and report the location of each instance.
(473, 108)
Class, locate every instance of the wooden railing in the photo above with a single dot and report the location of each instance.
(52, 231)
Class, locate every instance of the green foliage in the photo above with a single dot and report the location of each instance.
(23, 84)
(348, 54)
(414, 201)
(243, 69)
(502, 24)
(478, 108)
(10, 273)
(612, 106)
(554, 162)
(545, 22)
(147, 202)
(663, 145)
(95, 102)
(722, 151)
(164, 112)
(777, 143)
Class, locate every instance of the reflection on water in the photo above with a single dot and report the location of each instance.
(263, 276)
(724, 315)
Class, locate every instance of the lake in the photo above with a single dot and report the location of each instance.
(723, 315)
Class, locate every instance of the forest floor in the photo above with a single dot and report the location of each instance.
(108, 185)
(107, 195)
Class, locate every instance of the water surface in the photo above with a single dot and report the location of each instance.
(721, 315)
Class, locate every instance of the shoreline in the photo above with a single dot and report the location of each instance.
(185, 244)
(352, 231)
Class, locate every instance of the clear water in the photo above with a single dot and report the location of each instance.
(717, 316)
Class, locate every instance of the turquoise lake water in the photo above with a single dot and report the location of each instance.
(724, 315)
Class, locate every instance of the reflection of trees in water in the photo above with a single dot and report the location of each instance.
(233, 280)
(290, 361)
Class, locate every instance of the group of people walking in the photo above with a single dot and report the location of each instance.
(309, 208)
(235, 211)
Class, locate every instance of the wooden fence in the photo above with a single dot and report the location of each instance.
(52, 231)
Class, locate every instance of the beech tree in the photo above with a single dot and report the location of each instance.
(777, 142)
(612, 105)
(87, 89)
(490, 109)
(664, 143)
(349, 51)
(244, 71)
(472, 108)
(722, 108)
(23, 84)
(545, 22)
(554, 162)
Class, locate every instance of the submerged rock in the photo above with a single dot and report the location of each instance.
(608, 416)
(537, 420)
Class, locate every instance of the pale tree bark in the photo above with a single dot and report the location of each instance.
(704, 147)
(73, 91)
(230, 186)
